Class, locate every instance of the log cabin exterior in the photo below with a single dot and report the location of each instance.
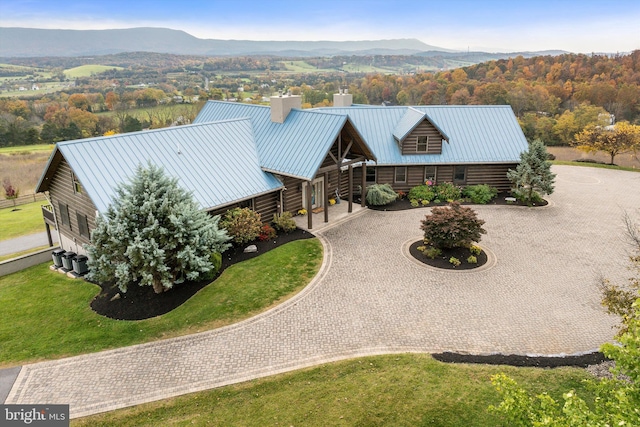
(282, 158)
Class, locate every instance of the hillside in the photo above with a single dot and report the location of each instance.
(30, 42)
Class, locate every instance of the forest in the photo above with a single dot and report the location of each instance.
(554, 97)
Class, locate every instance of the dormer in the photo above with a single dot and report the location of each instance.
(416, 133)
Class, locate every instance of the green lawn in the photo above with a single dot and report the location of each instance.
(393, 390)
(37, 297)
(27, 149)
(594, 165)
(88, 70)
(21, 220)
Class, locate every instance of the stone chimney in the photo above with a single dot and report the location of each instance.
(342, 99)
(281, 105)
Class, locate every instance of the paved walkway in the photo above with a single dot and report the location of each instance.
(24, 243)
(369, 298)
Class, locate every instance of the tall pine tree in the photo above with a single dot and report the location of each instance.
(532, 178)
(153, 234)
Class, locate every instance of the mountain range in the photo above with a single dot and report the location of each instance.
(32, 42)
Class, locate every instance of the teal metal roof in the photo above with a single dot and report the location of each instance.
(477, 133)
(217, 162)
(296, 147)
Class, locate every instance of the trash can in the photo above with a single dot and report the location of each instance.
(80, 265)
(57, 257)
(67, 260)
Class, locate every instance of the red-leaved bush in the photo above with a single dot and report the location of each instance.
(452, 226)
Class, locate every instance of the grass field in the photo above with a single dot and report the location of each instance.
(394, 390)
(595, 165)
(88, 70)
(21, 220)
(304, 67)
(24, 165)
(569, 154)
(27, 149)
(37, 296)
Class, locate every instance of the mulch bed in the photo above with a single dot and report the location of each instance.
(442, 261)
(140, 302)
(405, 204)
(581, 361)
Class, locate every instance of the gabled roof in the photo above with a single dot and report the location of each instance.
(477, 133)
(217, 162)
(411, 119)
(296, 147)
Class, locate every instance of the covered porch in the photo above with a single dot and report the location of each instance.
(336, 213)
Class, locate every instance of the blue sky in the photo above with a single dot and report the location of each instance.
(495, 25)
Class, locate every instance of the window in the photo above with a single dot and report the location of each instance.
(401, 174)
(430, 174)
(460, 174)
(64, 214)
(77, 187)
(83, 225)
(371, 175)
(423, 143)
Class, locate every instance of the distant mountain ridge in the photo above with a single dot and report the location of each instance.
(32, 42)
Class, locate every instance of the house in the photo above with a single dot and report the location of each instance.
(281, 158)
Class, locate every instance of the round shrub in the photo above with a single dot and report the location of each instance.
(452, 226)
(481, 194)
(422, 192)
(447, 191)
(284, 222)
(243, 224)
(380, 194)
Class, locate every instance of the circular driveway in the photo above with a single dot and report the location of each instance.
(540, 297)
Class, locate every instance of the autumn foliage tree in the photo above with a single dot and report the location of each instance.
(620, 138)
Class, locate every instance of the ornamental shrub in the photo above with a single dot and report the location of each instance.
(432, 253)
(475, 249)
(414, 203)
(481, 194)
(267, 233)
(447, 191)
(452, 226)
(532, 177)
(243, 224)
(153, 234)
(454, 261)
(380, 194)
(422, 192)
(472, 259)
(284, 222)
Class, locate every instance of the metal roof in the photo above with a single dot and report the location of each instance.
(477, 133)
(296, 147)
(217, 162)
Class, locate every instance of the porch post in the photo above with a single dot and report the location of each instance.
(363, 193)
(309, 209)
(350, 188)
(46, 224)
(326, 197)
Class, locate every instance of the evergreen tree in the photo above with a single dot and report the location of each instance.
(153, 234)
(532, 178)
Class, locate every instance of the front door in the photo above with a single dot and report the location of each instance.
(317, 195)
